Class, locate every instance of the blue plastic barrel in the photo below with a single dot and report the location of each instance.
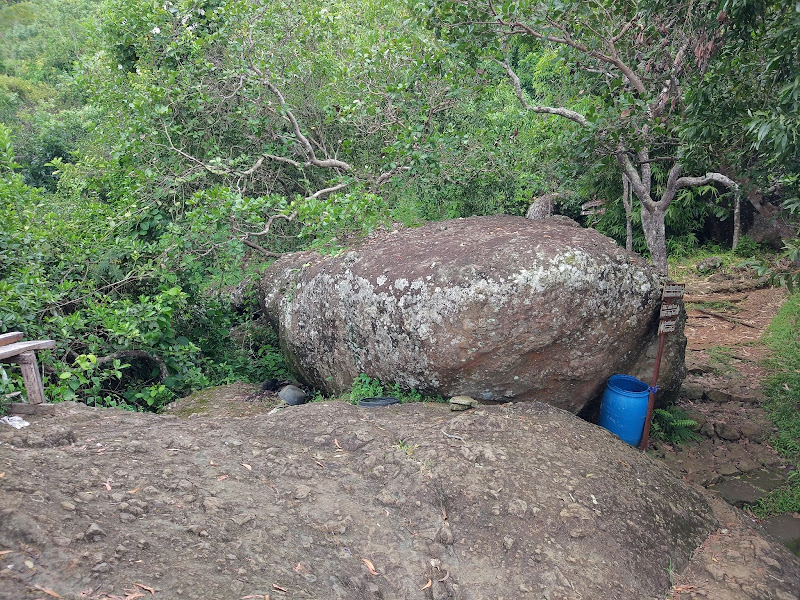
(624, 407)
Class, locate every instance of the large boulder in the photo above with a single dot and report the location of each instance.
(331, 501)
(497, 308)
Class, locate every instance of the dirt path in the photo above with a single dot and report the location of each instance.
(733, 461)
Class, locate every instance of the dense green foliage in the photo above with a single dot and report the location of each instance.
(783, 405)
(155, 157)
(365, 386)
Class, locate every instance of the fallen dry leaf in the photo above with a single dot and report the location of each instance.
(279, 588)
(212, 463)
(370, 566)
(145, 588)
(108, 484)
(4, 552)
(133, 595)
(335, 441)
(3, 474)
(46, 591)
(134, 490)
(246, 466)
(427, 585)
(222, 477)
(445, 578)
(319, 463)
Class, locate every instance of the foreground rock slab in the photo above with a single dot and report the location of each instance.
(496, 308)
(328, 500)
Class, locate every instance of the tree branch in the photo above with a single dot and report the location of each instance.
(707, 178)
(559, 111)
(261, 250)
(639, 188)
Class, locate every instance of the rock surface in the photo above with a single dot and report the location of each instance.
(496, 308)
(327, 500)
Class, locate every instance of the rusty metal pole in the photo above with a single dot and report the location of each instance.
(651, 400)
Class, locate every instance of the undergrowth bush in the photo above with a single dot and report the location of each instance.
(365, 386)
(137, 307)
(672, 425)
(783, 403)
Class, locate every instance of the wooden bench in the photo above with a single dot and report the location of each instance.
(14, 350)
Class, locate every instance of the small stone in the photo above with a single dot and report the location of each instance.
(746, 398)
(753, 432)
(707, 265)
(93, 532)
(68, 506)
(462, 403)
(126, 517)
(727, 432)
(242, 519)
(301, 492)
(508, 542)
(718, 396)
(445, 535)
(293, 395)
(103, 567)
(518, 507)
(727, 469)
(692, 391)
(746, 466)
(117, 497)
(707, 429)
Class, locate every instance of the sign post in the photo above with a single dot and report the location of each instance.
(668, 319)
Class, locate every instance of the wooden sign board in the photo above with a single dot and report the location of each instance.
(669, 310)
(667, 326)
(673, 290)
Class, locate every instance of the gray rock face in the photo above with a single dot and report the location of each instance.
(514, 501)
(496, 308)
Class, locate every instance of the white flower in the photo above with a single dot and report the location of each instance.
(155, 31)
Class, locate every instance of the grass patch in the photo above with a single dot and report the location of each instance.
(720, 359)
(783, 403)
(715, 305)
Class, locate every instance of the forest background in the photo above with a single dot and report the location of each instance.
(156, 156)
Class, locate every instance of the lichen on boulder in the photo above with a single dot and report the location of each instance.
(496, 308)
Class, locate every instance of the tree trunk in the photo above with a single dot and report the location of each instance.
(627, 201)
(737, 220)
(655, 234)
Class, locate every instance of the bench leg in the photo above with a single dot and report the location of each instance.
(30, 374)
